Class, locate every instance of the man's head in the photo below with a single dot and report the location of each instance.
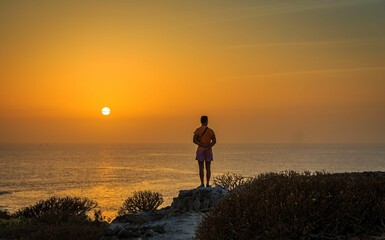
(204, 120)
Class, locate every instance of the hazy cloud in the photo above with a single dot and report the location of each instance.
(346, 43)
(315, 71)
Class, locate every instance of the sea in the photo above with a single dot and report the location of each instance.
(110, 173)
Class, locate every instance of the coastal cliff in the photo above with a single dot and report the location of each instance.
(177, 221)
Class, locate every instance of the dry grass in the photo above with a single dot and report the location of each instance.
(291, 205)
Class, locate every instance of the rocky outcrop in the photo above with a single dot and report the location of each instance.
(199, 199)
(177, 221)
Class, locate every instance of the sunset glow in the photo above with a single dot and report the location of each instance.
(308, 71)
(141, 105)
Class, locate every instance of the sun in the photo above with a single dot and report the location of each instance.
(106, 111)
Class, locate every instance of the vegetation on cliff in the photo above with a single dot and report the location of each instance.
(292, 205)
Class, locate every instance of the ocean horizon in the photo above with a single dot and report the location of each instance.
(109, 173)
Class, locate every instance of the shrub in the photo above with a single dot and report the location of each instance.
(290, 205)
(229, 181)
(57, 209)
(4, 214)
(28, 230)
(99, 217)
(55, 218)
(141, 201)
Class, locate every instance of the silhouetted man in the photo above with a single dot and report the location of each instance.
(204, 137)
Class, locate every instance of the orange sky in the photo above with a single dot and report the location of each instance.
(304, 71)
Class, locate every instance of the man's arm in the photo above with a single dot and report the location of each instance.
(196, 141)
(213, 142)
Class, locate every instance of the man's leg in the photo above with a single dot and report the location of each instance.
(201, 173)
(208, 172)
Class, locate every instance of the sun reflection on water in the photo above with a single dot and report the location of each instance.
(109, 174)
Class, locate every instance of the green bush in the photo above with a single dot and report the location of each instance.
(145, 201)
(229, 181)
(290, 205)
(57, 209)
